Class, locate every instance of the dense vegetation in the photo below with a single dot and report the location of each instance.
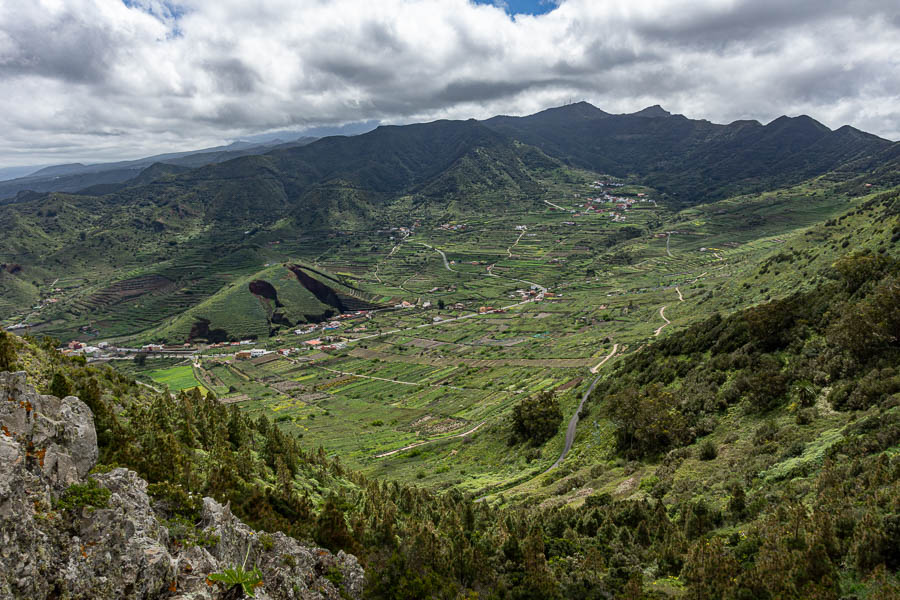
(822, 529)
(692, 160)
(536, 419)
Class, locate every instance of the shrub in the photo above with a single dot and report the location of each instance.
(537, 419)
(185, 533)
(805, 416)
(175, 500)
(648, 482)
(59, 386)
(87, 495)
(598, 499)
(708, 450)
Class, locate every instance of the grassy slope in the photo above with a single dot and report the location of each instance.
(594, 464)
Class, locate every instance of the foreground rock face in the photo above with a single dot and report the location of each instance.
(124, 550)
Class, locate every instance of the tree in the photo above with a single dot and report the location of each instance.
(8, 347)
(647, 420)
(59, 386)
(331, 527)
(537, 418)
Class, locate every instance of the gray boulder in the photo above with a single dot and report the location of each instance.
(123, 549)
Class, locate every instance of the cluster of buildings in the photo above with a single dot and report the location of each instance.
(252, 353)
(621, 205)
(453, 227)
(76, 348)
(533, 293)
(335, 323)
(326, 343)
(403, 231)
(229, 344)
(41, 304)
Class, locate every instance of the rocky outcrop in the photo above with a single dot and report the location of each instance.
(123, 548)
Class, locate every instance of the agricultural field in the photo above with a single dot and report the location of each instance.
(177, 378)
(499, 308)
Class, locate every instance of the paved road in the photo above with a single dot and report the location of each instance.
(606, 358)
(542, 289)
(573, 422)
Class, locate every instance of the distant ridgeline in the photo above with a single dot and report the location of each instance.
(695, 161)
(185, 236)
(692, 160)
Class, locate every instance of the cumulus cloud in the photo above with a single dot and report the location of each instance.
(111, 79)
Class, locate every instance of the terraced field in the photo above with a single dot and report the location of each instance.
(517, 304)
(177, 378)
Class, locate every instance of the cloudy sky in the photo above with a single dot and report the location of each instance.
(91, 80)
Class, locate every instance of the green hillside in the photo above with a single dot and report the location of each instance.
(236, 312)
(681, 384)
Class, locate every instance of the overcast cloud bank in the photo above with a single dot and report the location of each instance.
(108, 80)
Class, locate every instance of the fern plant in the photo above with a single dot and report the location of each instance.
(239, 577)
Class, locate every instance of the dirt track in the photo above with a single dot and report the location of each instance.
(423, 442)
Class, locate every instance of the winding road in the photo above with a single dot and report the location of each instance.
(662, 314)
(516, 243)
(542, 289)
(573, 422)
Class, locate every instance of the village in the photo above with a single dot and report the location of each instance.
(327, 336)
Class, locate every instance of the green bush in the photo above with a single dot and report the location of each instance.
(708, 450)
(83, 495)
(184, 532)
(537, 419)
(648, 482)
(175, 499)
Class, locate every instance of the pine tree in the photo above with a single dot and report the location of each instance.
(60, 386)
(8, 349)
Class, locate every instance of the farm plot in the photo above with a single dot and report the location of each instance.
(177, 378)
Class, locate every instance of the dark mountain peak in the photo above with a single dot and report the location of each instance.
(652, 112)
(853, 133)
(745, 123)
(577, 110)
(802, 122)
(584, 110)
